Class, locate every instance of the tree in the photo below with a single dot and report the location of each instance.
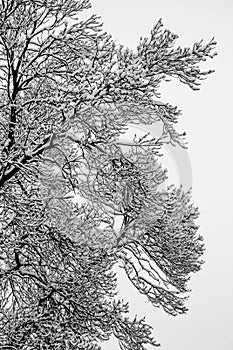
(68, 92)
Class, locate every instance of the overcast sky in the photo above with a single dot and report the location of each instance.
(207, 120)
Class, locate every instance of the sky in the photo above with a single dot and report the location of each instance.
(206, 166)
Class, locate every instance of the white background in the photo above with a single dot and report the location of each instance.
(207, 119)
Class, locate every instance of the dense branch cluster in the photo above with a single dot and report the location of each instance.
(68, 93)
